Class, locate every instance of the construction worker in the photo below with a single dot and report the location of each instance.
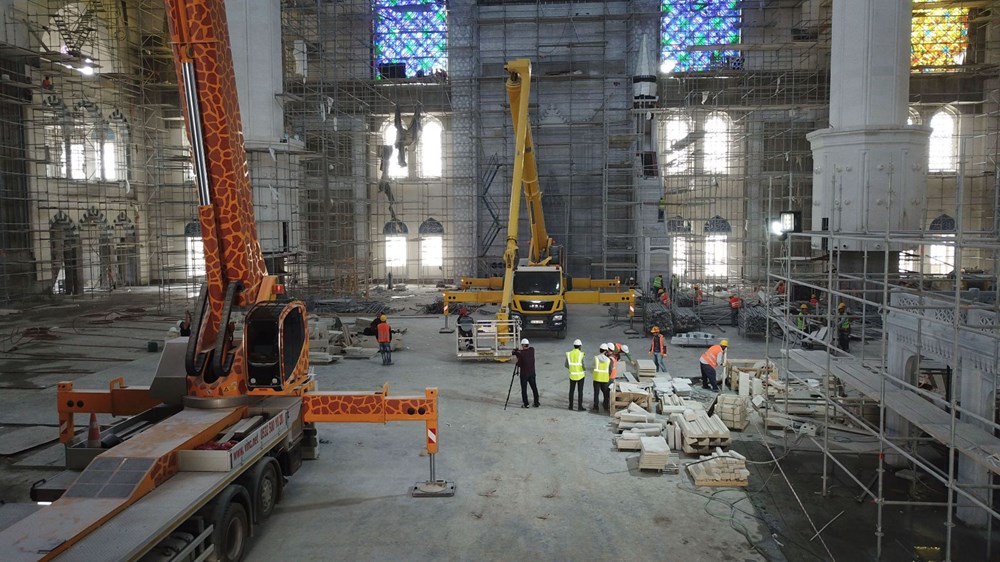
(574, 362)
(657, 282)
(384, 338)
(843, 328)
(658, 349)
(618, 349)
(661, 208)
(710, 361)
(814, 303)
(526, 368)
(613, 371)
(698, 295)
(780, 288)
(734, 307)
(664, 298)
(184, 326)
(602, 370)
(800, 320)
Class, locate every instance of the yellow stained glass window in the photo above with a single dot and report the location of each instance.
(939, 37)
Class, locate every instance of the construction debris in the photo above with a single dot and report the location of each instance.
(654, 453)
(732, 410)
(701, 433)
(720, 469)
(624, 393)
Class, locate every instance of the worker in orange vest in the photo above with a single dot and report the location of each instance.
(710, 361)
(814, 303)
(613, 371)
(658, 349)
(734, 306)
(384, 338)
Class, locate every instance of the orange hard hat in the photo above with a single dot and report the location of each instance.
(655, 330)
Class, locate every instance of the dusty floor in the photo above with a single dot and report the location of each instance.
(543, 483)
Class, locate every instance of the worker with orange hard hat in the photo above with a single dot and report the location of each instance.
(658, 349)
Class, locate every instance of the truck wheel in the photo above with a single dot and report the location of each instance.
(231, 533)
(267, 489)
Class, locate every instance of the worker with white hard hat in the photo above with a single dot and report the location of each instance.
(574, 363)
(613, 371)
(526, 369)
(710, 361)
(602, 370)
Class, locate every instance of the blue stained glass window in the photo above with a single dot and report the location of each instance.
(413, 33)
(695, 23)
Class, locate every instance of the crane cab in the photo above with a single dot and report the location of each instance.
(275, 337)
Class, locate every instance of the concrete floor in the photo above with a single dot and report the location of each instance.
(543, 483)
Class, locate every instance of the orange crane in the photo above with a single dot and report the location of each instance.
(226, 419)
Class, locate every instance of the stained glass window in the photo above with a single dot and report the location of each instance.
(938, 36)
(686, 26)
(413, 33)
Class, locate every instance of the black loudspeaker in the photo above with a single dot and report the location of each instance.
(392, 70)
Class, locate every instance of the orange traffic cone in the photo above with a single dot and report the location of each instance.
(94, 433)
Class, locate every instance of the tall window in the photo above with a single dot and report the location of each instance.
(679, 259)
(430, 150)
(431, 243)
(195, 257)
(395, 243)
(426, 161)
(939, 37)
(716, 144)
(677, 145)
(688, 30)
(412, 33)
(716, 254)
(933, 259)
(943, 142)
(389, 139)
(941, 257)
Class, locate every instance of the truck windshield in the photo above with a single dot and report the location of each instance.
(536, 282)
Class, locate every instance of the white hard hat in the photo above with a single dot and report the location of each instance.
(625, 348)
(577, 343)
(611, 345)
(604, 347)
(524, 341)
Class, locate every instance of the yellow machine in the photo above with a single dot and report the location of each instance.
(534, 290)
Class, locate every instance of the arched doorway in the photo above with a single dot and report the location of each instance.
(126, 251)
(64, 245)
(97, 261)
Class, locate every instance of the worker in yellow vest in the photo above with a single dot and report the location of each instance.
(710, 361)
(602, 369)
(574, 362)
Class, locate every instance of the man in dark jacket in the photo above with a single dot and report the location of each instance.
(526, 368)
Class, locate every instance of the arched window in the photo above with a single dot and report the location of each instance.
(913, 117)
(426, 161)
(395, 243)
(194, 250)
(716, 149)
(943, 142)
(934, 259)
(676, 145)
(717, 231)
(431, 243)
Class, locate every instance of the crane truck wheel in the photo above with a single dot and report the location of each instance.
(231, 524)
(266, 487)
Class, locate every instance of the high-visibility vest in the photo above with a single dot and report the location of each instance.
(735, 302)
(800, 322)
(384, 333)
(845, 323)
(575, 360)
(712, 356)
(601, 369)
(614, 367)
(663, 344)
